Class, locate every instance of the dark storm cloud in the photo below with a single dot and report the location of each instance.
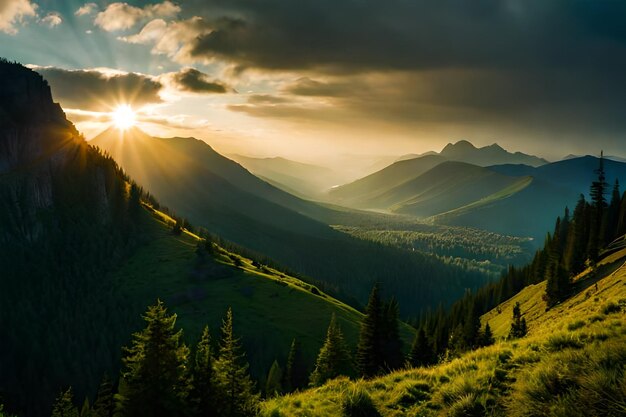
(352, 35)
(192, 80)
(99, 91)
(551, 65)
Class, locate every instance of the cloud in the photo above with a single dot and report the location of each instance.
(100, 89)
(172, 39)
(193, 81)
(404, 35)
(52, 19)
(13, 13)
(86, 9)
(121, 16)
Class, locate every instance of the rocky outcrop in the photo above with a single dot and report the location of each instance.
(37, 146)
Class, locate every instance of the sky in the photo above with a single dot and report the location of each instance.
(315, 80)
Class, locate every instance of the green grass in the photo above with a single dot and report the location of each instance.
(571, 363)
(270, 308)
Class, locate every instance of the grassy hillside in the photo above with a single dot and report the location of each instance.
(571, 363)
(270, 308)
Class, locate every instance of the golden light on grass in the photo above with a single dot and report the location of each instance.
(124, 117)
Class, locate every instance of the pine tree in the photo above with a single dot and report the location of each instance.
(273, 386)
(369, 355)
(86, 410)
(236, 396)
(203, 391)
(155, 376)
(518, 326)
(334, 358)
(487, 338)
(598, 191)
(104, 406)
(295, 376)
(471, 325)
(612, 222)
(557, 284)
(64, 405)
(421, 350)
(575, 252)
(391, 341)
(621, 224)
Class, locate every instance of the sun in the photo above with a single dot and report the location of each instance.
(124, 117)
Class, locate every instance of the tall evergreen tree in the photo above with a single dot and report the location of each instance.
(233, 384)
(86, 410)
(369, 355)
(203, 395)
(64, 405)
(273, 386)
(334, 357)
(621, 224)
(295, 376)
(487, 338)
(391, 341)
(421, 350)
(612, 222)
(575, 252)
(471, 325)
(104, 406)
(598, 192)
(155, 377)
(518, 326)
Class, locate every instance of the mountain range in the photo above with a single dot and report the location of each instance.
(303, 180)
(218, 194)
(495, 197)
(494, 154)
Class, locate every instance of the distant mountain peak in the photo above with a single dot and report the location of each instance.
(459, 145)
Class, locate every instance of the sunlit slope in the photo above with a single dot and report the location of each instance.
(360, 193)
(570, 364)
(610, 277)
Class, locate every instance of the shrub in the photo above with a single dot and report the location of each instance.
(535, 393)
(576, 325)
(274, 412)
(409, 393)
(610, 308)
(595, 318)
(358, 403)
(467, 406)
(561, 341)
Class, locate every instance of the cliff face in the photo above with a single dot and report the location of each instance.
(37, 146)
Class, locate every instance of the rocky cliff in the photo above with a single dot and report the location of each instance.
(38, 146)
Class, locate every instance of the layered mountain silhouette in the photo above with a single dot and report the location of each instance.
(361, 193)
(513, 198)
(297, 178)
(494, 154)
(214, 192)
